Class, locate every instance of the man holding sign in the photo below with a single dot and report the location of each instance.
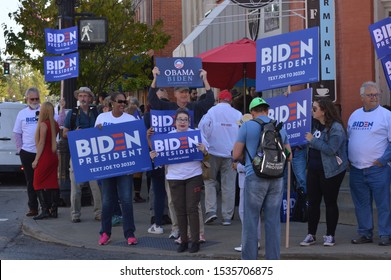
(182, 98)
(198, 108)
(82, 117)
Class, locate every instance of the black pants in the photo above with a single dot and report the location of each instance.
(159, 194)
(186, 195)
(51, 198)
(137, 182)
(27, 159)
(317, 187)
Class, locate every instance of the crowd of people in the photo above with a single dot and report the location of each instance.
(229, 142)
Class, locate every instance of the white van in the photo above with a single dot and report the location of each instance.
(9, 158)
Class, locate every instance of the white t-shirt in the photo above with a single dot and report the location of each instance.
(184, 170)
(107, 119)
(241, 169)
(219, 127)
(26, 124)
(369, 135)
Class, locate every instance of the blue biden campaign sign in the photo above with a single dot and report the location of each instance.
(57, 68)
(381, 37)
(114, 150)
(179, 71)
(386, 63)
(294, 111)
(288, 59)
(163, 121)
(60, 41)
(176, 147)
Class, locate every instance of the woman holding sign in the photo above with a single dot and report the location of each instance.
(122, 184)
(185, 181)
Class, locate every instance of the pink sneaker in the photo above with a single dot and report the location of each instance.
(104, 239)
(132, 241)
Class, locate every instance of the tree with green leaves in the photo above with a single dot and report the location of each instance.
(122, 62)
(21, 77)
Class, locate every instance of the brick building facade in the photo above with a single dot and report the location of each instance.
(356, 61)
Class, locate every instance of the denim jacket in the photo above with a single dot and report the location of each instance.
(330, 146)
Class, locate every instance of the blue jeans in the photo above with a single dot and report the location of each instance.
(123, 186)
(116, 207)
(159, 193)
(299, 165)
(266, 194)
(368, 184)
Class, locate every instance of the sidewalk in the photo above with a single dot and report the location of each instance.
(220, 240)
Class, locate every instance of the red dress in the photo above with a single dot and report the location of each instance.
(45, 175)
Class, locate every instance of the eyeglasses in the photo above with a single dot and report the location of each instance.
(182, 120)
(370, 95)
(34, 99)
(122, 102)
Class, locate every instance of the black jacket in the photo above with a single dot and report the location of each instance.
(198, 107)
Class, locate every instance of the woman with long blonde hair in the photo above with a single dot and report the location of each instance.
(46, 162)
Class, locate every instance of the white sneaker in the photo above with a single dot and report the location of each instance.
(174, 234)
(154, 229)
(239, 249)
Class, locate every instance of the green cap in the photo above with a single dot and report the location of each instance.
(256, 102)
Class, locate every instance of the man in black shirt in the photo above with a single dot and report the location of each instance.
(182, 98)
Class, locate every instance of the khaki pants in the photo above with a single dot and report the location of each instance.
(76, 196)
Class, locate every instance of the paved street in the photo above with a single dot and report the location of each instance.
(220, 240)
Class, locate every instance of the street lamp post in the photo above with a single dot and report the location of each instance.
(66, 11)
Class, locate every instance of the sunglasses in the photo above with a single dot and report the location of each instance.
(122, 102)
(34, 99)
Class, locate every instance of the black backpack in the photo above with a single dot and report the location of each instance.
(270, 159)
(300, 211)
(75, 111)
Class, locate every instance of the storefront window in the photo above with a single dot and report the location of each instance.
(272, 17)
